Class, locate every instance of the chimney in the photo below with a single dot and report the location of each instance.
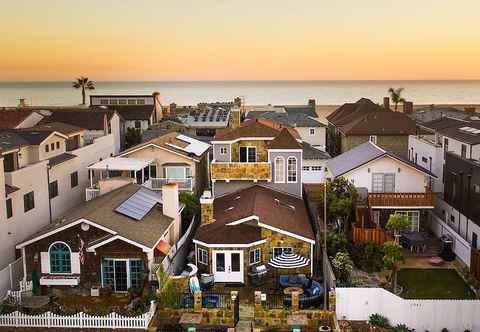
(408, 107)
(237, 102)
(470, 109)
(312, 103)
(170, 202)
(22, 102)
(386, 103)
(206, 204)
(236, 117)
(158, 106)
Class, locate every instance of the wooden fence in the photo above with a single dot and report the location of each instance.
(377, 235)
(475, 263)
(79, 320)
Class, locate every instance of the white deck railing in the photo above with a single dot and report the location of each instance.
(79, 320)
(183, 184)
(91, 193)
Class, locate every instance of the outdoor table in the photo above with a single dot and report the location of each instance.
(297, 321)
(290, 290)
(188, 320)
(416, 239)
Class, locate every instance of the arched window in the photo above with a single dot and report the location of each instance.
(292, 169)
(60, 258)
(279, 169)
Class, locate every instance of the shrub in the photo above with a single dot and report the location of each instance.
(400, 328)
(368, 257)
(336, 242)
(342, 266)
(379, 321)
(192, 207)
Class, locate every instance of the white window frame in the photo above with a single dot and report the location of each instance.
(248, 148)
(200, 255)
(312, 131)
(129, 281)
(316, 168)
(223, 150)
(383, 182)
(170, 167)
(305, 168)
(288, 170)
(283, 249)
(256, 260)
(373, 139)
(410, 213)
(277, 179)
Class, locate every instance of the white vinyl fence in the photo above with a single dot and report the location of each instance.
(422, 315)
(79, 320)
(10, 277)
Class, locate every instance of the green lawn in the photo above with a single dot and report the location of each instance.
(433, 284)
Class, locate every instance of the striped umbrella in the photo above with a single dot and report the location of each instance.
(289, 261)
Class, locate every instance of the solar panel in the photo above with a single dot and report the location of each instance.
(139, 204)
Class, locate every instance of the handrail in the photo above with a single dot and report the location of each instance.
(401, 199)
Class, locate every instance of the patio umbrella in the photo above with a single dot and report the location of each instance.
(289, 261)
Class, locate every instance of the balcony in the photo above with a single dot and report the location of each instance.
(384, 200)
(91, 193)
(157, 183)
(241, 171)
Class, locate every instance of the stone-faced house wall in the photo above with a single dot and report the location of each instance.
(262, 155)
(90, 271)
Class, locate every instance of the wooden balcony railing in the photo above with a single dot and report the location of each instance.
(241, 171)
(425, 199)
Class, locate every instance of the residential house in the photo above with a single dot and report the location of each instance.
(247, 228)
(314, 164)
(114, 241)
(169, 157)
(43, 173)
(392, 183)
(206, 122)
(257, 151)
(353, 124)
(17, 117)
(437, 112)
(138, 111)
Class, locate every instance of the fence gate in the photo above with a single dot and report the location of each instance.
(236, 310)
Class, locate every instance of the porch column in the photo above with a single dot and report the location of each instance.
(143, 175)
(150, 261)
(91, 178)
(24, 261)
(197, 301)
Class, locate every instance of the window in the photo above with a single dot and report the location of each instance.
(132, 102)
(464, 151)
(28, 201)
(316, 168)
(74, 179)
(452, 219)
(373, 139)
(60, 258)
(305, 168)
(113, 102)
(202, 256)
(413, 218)
(52, 146)
(476, 188)
(58, 145)
(279, 169)
(53, 189)
(255, 256)
(122, 102)
(136, 273)
(138, 124)
(292, 169)
(383, 182)
(108, 273)
(277, 251)
(425, 160)
(223, 150)
(104, 101)
(248, 154)
(140, 102)
(9, 208)
(446, 144)
(312, 131)
(47, 148)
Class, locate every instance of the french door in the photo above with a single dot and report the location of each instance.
(121, 276)
(228, 265)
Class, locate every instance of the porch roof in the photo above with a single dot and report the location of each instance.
(122, 164)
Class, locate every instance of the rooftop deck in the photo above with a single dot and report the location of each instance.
(417, 200)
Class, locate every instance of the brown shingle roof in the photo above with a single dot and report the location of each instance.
(273, 208)
(63, 128)
(83, 118)
(10, 118)
(252, 128)
(284, 140)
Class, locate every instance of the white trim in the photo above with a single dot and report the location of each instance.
(200, 256)
(52, 134)
(275, 169)
(296, 169)
(285, 150)
(159, 147)
(286, 233)
(311, 258)
(241, 221)
(248, 245)
(49, 259)
(118, 237)
(79, 221)
(259, 257)
(247, 147)
(243, 139)
(273, 250)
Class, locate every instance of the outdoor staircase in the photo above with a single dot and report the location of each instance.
(245, 323)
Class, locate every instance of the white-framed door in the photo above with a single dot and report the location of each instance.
(228, 265)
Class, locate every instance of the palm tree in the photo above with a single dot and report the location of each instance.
(396, 95)
(85, 84)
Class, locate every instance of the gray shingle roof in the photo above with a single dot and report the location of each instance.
(288, 119)
(311, 153)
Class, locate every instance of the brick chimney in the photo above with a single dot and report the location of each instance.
(236, 114)
(312, 103)
(386, 103)
(470, 109)
(170, 203)
(408, 107)
(206, 207)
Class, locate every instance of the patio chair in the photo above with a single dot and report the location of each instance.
(293, 280)
(312, 296)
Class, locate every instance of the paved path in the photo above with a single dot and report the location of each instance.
(243, 326)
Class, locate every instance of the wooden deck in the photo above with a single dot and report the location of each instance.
(426, 199)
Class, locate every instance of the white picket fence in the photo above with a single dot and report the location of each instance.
(422, 315)
(79, 320)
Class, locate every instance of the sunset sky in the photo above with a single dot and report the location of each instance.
(239, 40)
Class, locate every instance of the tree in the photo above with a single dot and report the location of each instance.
(397, 223)
(192, 207)
(85, 84)
(133, 137)
(341, 199)
(336, 242)
(342, 266)
(392, 254)
(396, 95)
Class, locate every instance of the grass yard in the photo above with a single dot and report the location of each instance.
(433, 284)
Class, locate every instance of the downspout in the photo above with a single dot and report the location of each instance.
(48, 192)
(469, 176)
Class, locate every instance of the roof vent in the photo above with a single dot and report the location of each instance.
(283, 204)
(229, 209)
(238, 197)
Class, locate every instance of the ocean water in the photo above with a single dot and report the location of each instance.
(254, 92)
